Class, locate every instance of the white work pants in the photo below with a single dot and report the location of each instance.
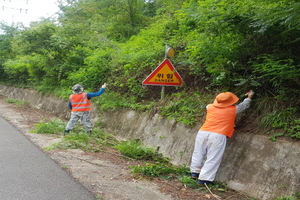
(208, 151)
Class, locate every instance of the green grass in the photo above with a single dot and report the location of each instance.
(183, 107)
(85, 142)
(134, 149)
(18, 102)
(49, 126)
(76, 139)
(283, 122)
(286, 198)
(157, 170)
(295, 196)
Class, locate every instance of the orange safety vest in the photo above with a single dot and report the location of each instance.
(220, 120)
(80, 102)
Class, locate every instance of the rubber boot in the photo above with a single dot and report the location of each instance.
(66, 131)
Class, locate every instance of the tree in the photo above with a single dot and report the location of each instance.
(6, 37)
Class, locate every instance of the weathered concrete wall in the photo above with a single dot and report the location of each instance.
(252, 164)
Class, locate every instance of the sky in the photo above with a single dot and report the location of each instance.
(26, 11)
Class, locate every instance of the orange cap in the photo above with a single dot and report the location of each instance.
(225, 99)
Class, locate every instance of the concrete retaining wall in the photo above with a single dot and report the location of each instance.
(252, 164)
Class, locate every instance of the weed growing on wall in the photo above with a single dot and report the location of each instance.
(185, 108)
(17, 102)
(287, 198)
(285, 120)
(111, 101)
(182, 107)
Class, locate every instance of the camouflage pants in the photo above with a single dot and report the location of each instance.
(84, 117)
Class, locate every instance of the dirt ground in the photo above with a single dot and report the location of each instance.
(105, 174)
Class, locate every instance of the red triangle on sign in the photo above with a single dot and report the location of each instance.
(164, 74)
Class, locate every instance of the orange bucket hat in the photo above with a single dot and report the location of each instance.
(225, 99)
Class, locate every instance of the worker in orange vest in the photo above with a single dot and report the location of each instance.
(211, 139)
(79, 103)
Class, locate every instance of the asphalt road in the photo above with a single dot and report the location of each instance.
(27, 173)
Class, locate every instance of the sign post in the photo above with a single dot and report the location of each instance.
(165, 74)
(168, 53)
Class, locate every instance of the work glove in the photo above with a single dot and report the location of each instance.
(250, 93)
(104, 86)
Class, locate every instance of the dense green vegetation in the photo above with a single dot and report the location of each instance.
(220, 45)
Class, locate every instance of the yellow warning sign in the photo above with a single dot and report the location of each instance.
(164, 74)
